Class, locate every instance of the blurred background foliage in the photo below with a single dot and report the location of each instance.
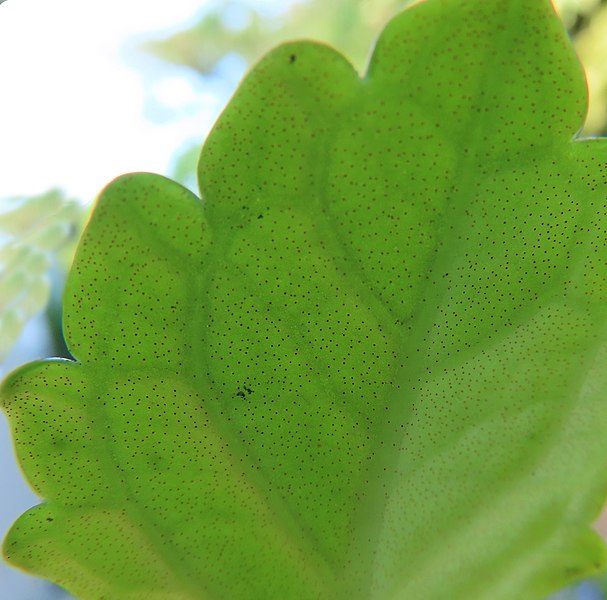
(38, 235)
(586, 21)
(241, 27)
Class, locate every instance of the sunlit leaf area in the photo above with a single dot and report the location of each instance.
(143, 98)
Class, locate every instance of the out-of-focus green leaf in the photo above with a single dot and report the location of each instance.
(370, 365)
(35, 233)
(238, 27)
(571, 11)
(591, 44)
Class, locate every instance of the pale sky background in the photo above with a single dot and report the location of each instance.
(78, 108)
(72, 112)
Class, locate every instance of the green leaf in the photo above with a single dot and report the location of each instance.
(369, 365)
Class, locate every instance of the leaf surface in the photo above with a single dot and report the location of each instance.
(368, 365)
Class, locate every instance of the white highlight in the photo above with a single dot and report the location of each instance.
(71, 112)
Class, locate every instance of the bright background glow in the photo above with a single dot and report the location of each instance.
(79, 105)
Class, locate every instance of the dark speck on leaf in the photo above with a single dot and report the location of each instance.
(292, 58)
